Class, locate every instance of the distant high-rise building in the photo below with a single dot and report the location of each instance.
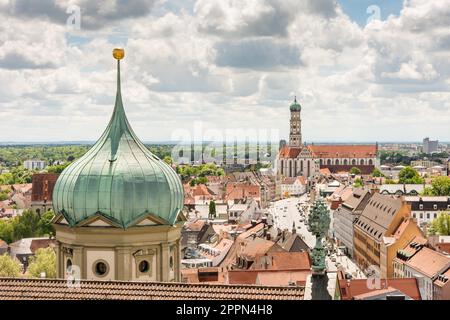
(34, 164)
(430, 146)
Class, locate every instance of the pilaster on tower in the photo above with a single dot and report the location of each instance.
(295, 133)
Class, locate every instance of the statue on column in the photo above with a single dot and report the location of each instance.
(318, 225)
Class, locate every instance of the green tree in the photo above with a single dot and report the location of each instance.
(212, 209)
(44, 261)
(9, 267)
(441, 186)
(355, 171)
(441, 225)
(26, 225)
(409, 176)
(377, 173)
(57, 168)
(45, 226)
(6, 231)
(358, 183)
(168, 160)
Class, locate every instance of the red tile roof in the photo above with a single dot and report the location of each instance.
(241, 191)
(57, 289)
(356, 287)
(282, 261)
(428, 262)
(343, 151)
(289, 152)
(202, 190)
(268, 277)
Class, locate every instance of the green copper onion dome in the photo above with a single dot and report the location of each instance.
(295, 106)
(118, 178)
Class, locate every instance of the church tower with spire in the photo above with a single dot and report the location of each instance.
(118, 209)
(295, 134)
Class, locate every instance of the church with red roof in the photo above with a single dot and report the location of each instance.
(299, 159)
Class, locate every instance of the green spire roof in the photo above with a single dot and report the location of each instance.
(295, 106)
(118, 178)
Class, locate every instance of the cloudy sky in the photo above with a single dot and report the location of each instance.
(375, 70)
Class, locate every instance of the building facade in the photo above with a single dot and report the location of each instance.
(427, 208)
(383, 228)
(430, 146)
(34, 164)
(345, 216)
(42, 191)
(118, 209)
(293, 186)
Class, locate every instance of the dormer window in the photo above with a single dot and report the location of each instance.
(421, 206)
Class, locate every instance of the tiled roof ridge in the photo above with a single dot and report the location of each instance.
(144, 283)
(43, 289)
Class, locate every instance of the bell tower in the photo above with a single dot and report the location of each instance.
(295, 134)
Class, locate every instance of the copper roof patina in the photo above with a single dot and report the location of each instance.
(118, 178)
(295, 106)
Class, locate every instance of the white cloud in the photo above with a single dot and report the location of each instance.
(229, 63)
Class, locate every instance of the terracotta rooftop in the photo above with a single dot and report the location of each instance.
(57, 289)
(325, 171)
(356, 287)
(282, 261)
(251, 248)
(411, 248)
(202, 190)
(241, 191)
(289, 152)
(267, 277)
(292, 180)
(355, 200)
(196, 225)
(428, 262)
(343, 151)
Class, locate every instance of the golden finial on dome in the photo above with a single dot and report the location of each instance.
(118, 53)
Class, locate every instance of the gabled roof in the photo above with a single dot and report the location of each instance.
(57, 289)
(343, 151)
(355, 201)
(356, 287)
(289, 152)
(282, 261)
(378, 214)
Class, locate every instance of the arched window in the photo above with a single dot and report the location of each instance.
(320, 162)
(336, 162)
(354, 161)
(295, 168)
(370, 162)
(361, 162)
(282, 167)
(301, 165)
(290, 169)
(329, 161)
(345, 162)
